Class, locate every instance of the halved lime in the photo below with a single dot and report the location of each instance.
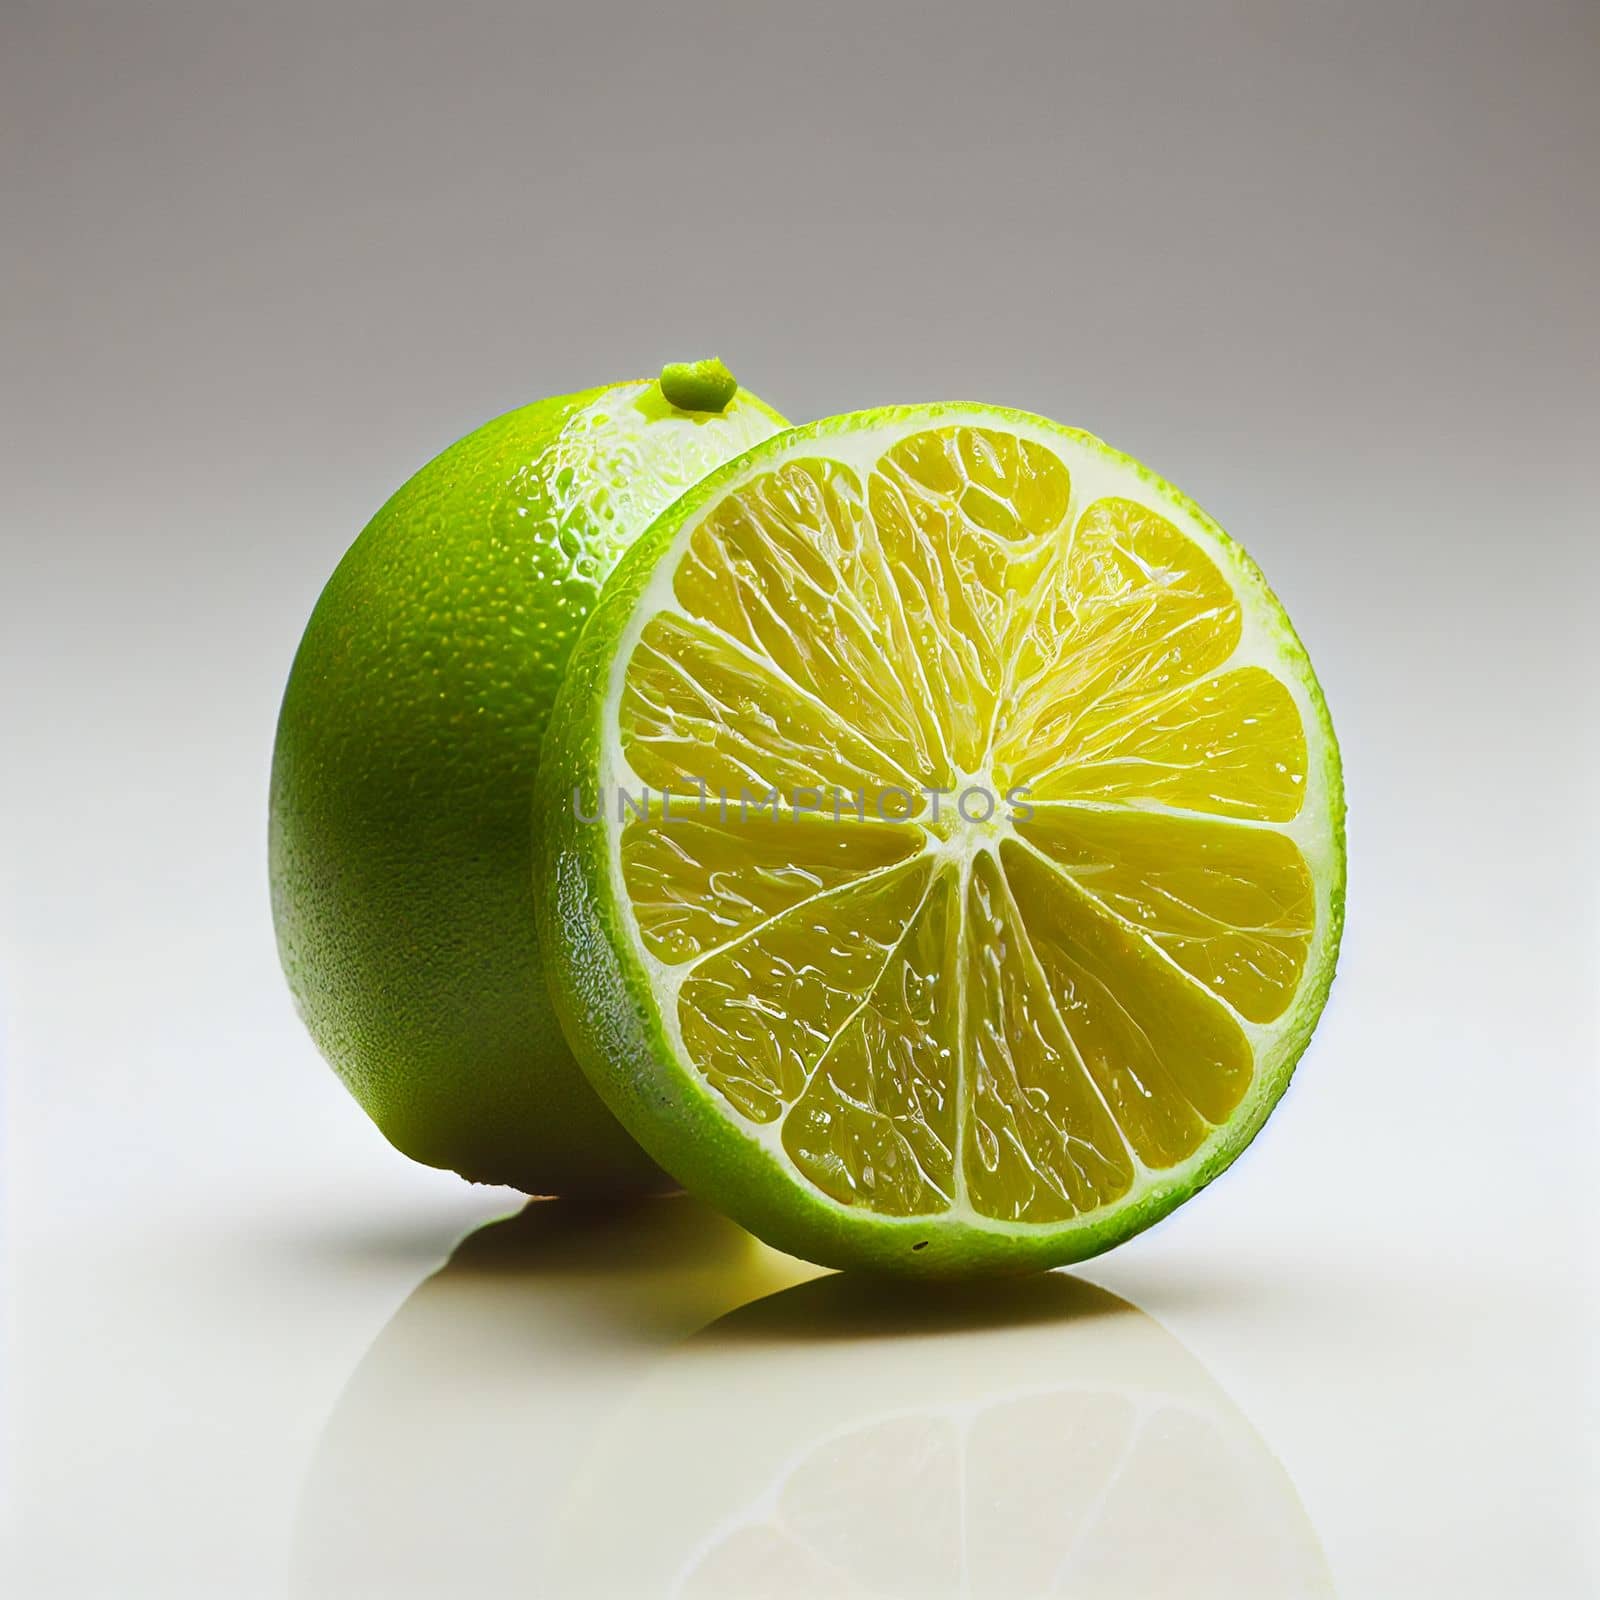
(941, 831)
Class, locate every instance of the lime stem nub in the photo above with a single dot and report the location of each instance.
(698, 385)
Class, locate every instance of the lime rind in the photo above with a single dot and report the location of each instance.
(608, 995)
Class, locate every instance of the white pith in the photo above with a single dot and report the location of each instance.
(1096, 472)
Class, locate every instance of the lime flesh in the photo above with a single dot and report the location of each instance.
(999, 880)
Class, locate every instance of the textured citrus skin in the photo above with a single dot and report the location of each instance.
(406, 752)
(613, 1018)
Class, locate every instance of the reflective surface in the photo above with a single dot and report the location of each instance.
(534, 1409)
(572, 1404)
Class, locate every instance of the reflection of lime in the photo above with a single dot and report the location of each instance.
(454, 1440)
(404, 766)
(1005, 876)
(1056, 1442)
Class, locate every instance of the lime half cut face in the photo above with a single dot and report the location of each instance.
(941, 830)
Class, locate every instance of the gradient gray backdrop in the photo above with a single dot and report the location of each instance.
(1331, 268)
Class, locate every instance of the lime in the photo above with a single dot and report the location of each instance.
(402, 775)
(941, 831)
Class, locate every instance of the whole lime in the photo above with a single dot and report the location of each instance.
(402, 777)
